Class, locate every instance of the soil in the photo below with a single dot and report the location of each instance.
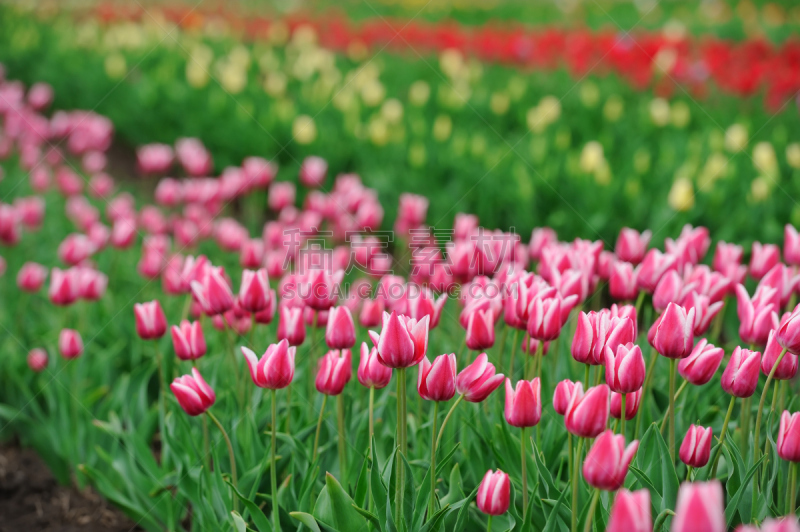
(32, 499)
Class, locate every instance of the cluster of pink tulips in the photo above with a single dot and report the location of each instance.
(508, 295)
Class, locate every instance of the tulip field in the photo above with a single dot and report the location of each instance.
(355, 331)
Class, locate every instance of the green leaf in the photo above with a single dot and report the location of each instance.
(434, 522)
(238, 522)
(463, 513)
(307, 520)
(408, 492)
(552, 519)
(733, 503)
(258, 517)
(369, 516)
(345, 516)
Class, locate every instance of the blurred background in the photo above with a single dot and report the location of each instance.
(585, 116)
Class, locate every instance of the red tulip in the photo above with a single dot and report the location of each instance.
(757, 316)
(788, 366)
(494, 493)
(763, 258)
(123, 233)
(421, 303)
(341, 331)
(64, 288)
(437, 381)
(623, 282)
(70, 344)
(192, 393)
(587, 414)
(150, 320)
(670, 289)
(213, 292)
(674, 334)
(788, 444)
(31, 277)
(480, 330)
(632, 245)
(740, 377)
(701, 364)
(632, 401)
(562, 396)
(523, 404)
(696, 447)
(630, 512)
(788, 335)
(545, 322)
(275, 369)
(478, 380)
(700, 508)
(37, 359)
(91, 284)
(607, 462)
(403, 341)
(371, 373)
(10, 230)
(704, 311)
(291, 326)
(188, 340)
(75, 248)
(320, 289)
(254, 293)
(625, 368)
(597, 331)
(334, 371)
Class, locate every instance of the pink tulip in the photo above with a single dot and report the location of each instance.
(653, 267)
(696, 447)
(523, 403)
(193, 156)
(464, 225)
(313, 171)
(265, 316)
(31, 277)
(371, 313)
(421, 303)
(371, 373)
(70, 344)
(623, 282)
(340, 332)
(192, 393)
(757, 316)
(259, 171)
(700, 508)
(597, 331)
(37, 359)
(319, 290)
(788, 334)
(704, 311)
(674, 334)
(480, 330)
(709, 283)
(75, 248)
(334, 371)
(494, 493)
(607, 462)
(30, 211)
(632, 245)
(478, 380)
(188, 340)
(670, 289)
(40, 96)
(545, 322)
(10, 230)
(281, 195)
(150, 320)
(64, 287)
(782, 524)
(251, 253)
(763, 258)
(701, 364)
(788, 366)
(630, 512)
(562, 396)
(587, 413)
(727, 255)
(254, 292)
(275, 369)
(624, 368)
(154, 158)
(632, 401)
(437, 381)
(123, 233)
(788, 444)
(541, 237)
(402, 342)
(91, 284)
(291, 326)
(791, 245)
(213, 292)
(740, 377)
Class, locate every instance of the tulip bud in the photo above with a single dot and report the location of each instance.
(597, 331)
(726, 255)
(696, 447)
(70, 344)
(674, 334)
(150, 320)
(192, 393)
(623, 283)
(275, 370)
(254, 293)
(562, 396)
(213, 293)
(789, 331)
(788, 366)
(630, 512)
(757, 316)
(188, 340)
(480, 330)
(37, 359)
(740, 377)
(544, 321)
(341, 331)
(704, 311)
(625, 369)
(763, 258)
(264, 317)
(523, 404)
(31, 277)
(478, 380)
(437, 381)
(291, 326)
(334, 371)
(788, 444)
(791, 245)
(701, 364)
(494, 493)
(371, 313)
(403, 341)
(782, 524)
(587, 414)
(632, 401)
(371, 373)
(700, 507)
(607, 462)
(64, 288)
(313, 171)
(653, 267)
(632, 245)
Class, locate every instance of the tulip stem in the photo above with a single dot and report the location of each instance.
(319, 425)
(524, 476)
(790, 508)
(622, 413)
(592, 507)
(666, 414)
(672, 363)
(586, 377)
(446, 419)
(539, 360)
(513, 352)
(432, 503)
(371, 436)
(489, 524)
(575, 478)
(689, 474)
(570, 457)
(722, 434)
(650, 368)
(273, 474)
(639, 301)
(401, 436)
(234, 479)
(756, 434)
(342, 448)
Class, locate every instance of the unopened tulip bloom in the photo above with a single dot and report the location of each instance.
(788, 366)
(64, 289)
(402, 342)
(254, 293)
(788, 444)
(704, 311)
(313, 171)
(632, 245)
(494, 493)
(597, 331)
(92, 284)
(70, 344)
(740, 377)
(264, 317)
(674, 335)
(193, 393)
(607, 462)
(587, 413)
(670, 289)
(763, 258)
(630, 512)
(625, 368)
(653, 267)
(371, 373)
(291, 326)
(757, 316)
(480, 330)
(696, 447)
(213, 293)
(150, 320)
(188, 340)
(37, 359)
(275, 369)
(700, 508)
(437, 381)
(371, 312)
(782, 524)
(31, 277)
(541, 237)
(544, 321)
(478, 380)
(623, 282)
(791, 245)
(523, 403)
(320, 288)
(562, 396)
(701, 364)
(341, 331)
(788, 335)
(726, 255)
(334, 371)
(632, 401)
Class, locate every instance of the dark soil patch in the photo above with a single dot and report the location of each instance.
(31, 499)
